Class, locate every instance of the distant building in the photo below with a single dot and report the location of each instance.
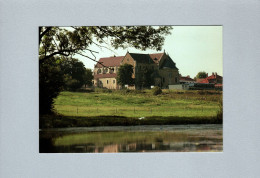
(214, 78)
(186, 79)
(163, 70)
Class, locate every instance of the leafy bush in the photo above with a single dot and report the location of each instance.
(156, 90)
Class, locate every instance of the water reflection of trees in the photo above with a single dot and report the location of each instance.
(113, 142)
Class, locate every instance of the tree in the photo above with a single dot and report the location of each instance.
(77, 40)
(201, 75)
(74, 73)
(124, 75)
(51, 82)
(69, 41)
(144, 79)
(147, 78)
(88, 77)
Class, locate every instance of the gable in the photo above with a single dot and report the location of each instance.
(142, 58)
(168, 63)
(156, 57)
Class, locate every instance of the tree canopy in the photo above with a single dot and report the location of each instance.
(75, 74)
(124, 75)
(77, 40)
(201, 75)
(68, 41)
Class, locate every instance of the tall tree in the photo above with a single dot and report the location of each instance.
(74, 73)
(124, 75)
(69, 41)
(51, 82)
(88, 77)
(201, 75)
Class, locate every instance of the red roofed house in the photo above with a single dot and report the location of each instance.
(187, 79)
(105, 73)
(214, 78)
(164, 70)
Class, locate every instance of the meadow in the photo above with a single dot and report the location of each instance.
(130, 103)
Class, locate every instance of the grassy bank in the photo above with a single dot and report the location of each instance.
(124, 107)
(52, 121)
(139, 103)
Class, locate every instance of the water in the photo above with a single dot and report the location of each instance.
(112, 139)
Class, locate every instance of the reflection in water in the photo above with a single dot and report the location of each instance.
(192, 138)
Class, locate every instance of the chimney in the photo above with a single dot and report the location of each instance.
(213, 73)
(207, 75)
(188, 76)
(114, 55)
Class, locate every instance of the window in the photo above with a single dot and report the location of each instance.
(105, 70)
(176, 79)
(99, 71)
(114, 81)
(107, 81)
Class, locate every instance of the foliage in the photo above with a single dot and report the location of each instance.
(69, 41)
(74, 40)
(51, 82)
(156, 90)
(124, 75)
(201, 75)
(145, 80)
(88, 77)
(75, 74)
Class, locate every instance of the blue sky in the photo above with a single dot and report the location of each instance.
(192, 48)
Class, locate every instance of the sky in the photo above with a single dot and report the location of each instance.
(192, 48)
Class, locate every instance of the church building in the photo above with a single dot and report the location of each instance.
(159, 66)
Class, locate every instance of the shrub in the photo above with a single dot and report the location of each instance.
(156, 90)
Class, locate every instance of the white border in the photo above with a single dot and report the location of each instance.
(19, 21)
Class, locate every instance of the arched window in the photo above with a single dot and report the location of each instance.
(105, 70)
(98, 71)
(112, 70)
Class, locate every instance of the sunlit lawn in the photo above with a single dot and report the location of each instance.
(170, 103)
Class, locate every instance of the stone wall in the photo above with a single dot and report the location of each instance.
(109, 83)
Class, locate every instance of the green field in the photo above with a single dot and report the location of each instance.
(139, 103)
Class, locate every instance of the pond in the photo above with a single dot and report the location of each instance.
(113, 139)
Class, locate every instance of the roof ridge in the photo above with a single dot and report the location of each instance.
(111, 57)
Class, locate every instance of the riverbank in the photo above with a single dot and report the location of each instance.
(59, 121)
(134, 107)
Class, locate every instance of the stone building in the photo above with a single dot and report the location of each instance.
(159, 67)
(105, 72)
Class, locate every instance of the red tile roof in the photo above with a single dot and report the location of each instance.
(156, 57)
(214, 77)
(97, 76)
(186, 79)
(211, 79)
(110, 61)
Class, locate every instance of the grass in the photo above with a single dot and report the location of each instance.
(139, 103)
(125, 108)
